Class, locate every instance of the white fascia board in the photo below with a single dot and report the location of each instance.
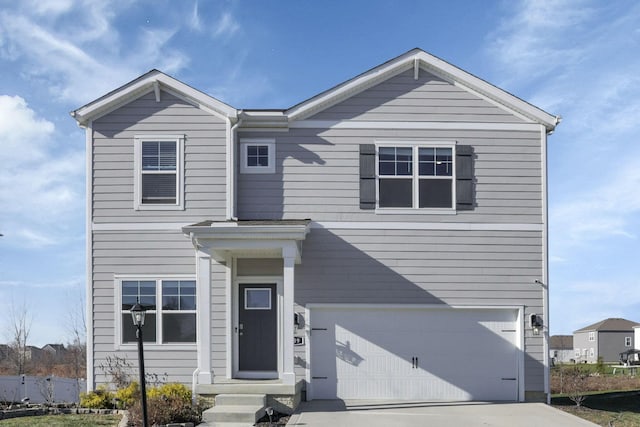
(148, 83)
(433, 65)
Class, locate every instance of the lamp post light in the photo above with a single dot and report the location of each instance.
(137, 313)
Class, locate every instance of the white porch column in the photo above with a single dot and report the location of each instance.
(203, 315)
(288, 375)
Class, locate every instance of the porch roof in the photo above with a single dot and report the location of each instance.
(261, 238)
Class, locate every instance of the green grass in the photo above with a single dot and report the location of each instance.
(85, 420)
(620, 409)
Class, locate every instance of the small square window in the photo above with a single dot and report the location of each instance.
(257, 299)
(257, 155)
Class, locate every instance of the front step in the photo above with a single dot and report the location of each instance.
(235, 410)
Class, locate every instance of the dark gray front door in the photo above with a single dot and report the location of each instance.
(257, 328)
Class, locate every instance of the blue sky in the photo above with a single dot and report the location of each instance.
(579, 59)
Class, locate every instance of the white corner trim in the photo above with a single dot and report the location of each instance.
(88, 255)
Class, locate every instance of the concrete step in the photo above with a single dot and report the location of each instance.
(233, 414)
(241, 399)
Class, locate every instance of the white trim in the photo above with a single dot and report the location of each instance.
(139, 226)
(270, 143)
(461, 226)
(88, 254)
(179, 172)
(519, 342)
(346, 225)
(352, 124)
(545, 262)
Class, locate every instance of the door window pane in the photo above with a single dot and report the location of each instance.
(257, 299)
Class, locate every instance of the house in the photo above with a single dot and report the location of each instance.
(56, 352)
(561, 349)
(607, 339)
(385, 239)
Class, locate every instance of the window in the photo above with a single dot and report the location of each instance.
(627, 341)
(592, 352)
(416, 176)
(592, 336)
(159, 174)
(257, 299)
(576, 352)
(257, 155)
(172, 321)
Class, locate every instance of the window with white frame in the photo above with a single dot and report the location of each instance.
(257, 155)
(170, 305)
(416, 176)
(592, 352)
(576, 352)
(627, 341)
(159, 172)
(592, 336)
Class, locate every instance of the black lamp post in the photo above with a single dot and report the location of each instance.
(137, 313)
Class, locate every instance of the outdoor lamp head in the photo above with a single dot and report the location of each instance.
(137, 313)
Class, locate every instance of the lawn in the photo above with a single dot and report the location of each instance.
(85, 420)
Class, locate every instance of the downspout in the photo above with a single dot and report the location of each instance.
(231, 168)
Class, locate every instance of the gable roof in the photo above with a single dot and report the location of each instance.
(417, 58)
(154, 81)
(611, 325)
(561, 342)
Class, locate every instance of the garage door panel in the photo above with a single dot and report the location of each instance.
(414, 354)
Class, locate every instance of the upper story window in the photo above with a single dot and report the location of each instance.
(257, 155)
(592, 336)
(170, 305)
(416, 176)
(627, 341)
(159, 172)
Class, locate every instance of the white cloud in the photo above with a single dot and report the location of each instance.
(226, 26)
(38, 184)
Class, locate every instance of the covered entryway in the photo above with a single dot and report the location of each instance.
(414, 353)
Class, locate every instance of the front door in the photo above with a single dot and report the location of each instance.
(257, 328)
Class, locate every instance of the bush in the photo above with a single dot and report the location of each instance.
(171, 390)
(98, 399)
(127, 396)
(165, 410)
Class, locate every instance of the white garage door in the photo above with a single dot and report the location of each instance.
(413, 354)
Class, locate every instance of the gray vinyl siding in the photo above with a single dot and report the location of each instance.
(155, 254)
(429, 98)
(113, 160)
(317, 176)
(455, 268)
(611, 344)
(581, 341)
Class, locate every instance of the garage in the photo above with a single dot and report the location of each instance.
(414, 353)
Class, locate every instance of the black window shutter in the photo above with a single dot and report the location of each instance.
(464, 178)
(367, 176)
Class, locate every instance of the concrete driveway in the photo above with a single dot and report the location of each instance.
(338, 413)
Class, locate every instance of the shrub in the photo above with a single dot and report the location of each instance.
(575, 384)
(165, 410)
(171, 390)
(98, 399)
(128, 395)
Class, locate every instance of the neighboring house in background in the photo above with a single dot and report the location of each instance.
(607, 339)
(377, 241)
(32, 353)
(56, 351)
(561, 349)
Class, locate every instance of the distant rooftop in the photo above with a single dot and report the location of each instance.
(611, 324)
(561, 342)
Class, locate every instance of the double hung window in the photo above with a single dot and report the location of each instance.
(158, 172)
(416, 176)
(170, 306)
